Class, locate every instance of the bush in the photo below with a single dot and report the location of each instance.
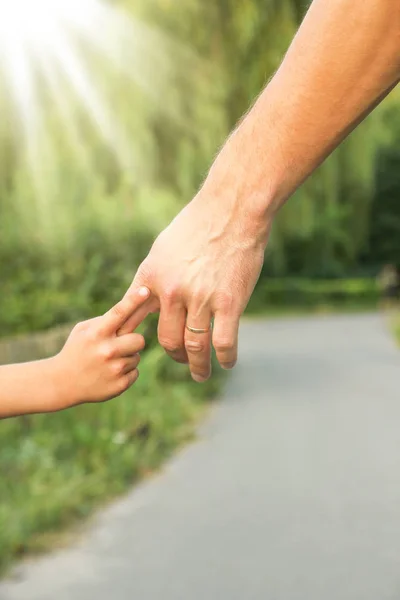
(84, 266)
(310, 294)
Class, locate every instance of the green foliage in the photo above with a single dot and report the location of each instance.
(220, 56)
(292, 293)
(323, 230)
(383, 245)
(83, 262)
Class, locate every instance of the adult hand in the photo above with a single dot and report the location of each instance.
(204, 265)
(344, 60)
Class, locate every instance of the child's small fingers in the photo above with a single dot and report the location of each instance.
(115, 318)
(129, 344)
(131, 363)
(151, 306)
(131, 378)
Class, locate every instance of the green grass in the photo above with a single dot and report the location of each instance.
(396, 326)
(56, 469)
(274, 297)
(317, 309)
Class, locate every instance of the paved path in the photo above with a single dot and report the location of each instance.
(291, 493)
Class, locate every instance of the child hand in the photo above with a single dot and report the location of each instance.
(95, 364)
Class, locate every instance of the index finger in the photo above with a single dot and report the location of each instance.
(139, 315)
(117, 316)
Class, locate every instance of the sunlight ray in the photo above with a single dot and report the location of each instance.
(55, 50)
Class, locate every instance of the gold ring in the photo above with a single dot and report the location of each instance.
(194, 330)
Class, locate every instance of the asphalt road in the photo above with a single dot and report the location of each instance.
(292, 491)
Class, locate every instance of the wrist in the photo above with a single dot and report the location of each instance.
(61, 384)
(243, 183)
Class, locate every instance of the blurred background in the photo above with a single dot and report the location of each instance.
(111, 116)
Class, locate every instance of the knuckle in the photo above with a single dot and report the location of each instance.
(92, 336)
(195, 346)
(201, 292)
(172, 293)
(224, 345)
(170, 345)
(91, 330)
(225, 301)
(107, 352)
(118, 310)
(144, 273)
(80, 327)
(118, 367)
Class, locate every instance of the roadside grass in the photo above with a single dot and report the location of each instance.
(396, 325)
(296, 296)
(56, 469)
(317, 309)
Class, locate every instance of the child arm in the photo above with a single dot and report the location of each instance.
(95, 365)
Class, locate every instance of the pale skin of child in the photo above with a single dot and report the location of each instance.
(95, 365)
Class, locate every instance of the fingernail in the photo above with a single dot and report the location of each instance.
(229, 366)
(199, 378)
(144, 292)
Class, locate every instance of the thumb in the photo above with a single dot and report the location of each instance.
(117, 316)
(142, 279)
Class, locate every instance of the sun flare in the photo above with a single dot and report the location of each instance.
(48, 45)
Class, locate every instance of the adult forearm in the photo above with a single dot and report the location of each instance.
(29, 388)
(206, 263)
(343, 61)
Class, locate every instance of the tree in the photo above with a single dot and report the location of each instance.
(324, 228)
